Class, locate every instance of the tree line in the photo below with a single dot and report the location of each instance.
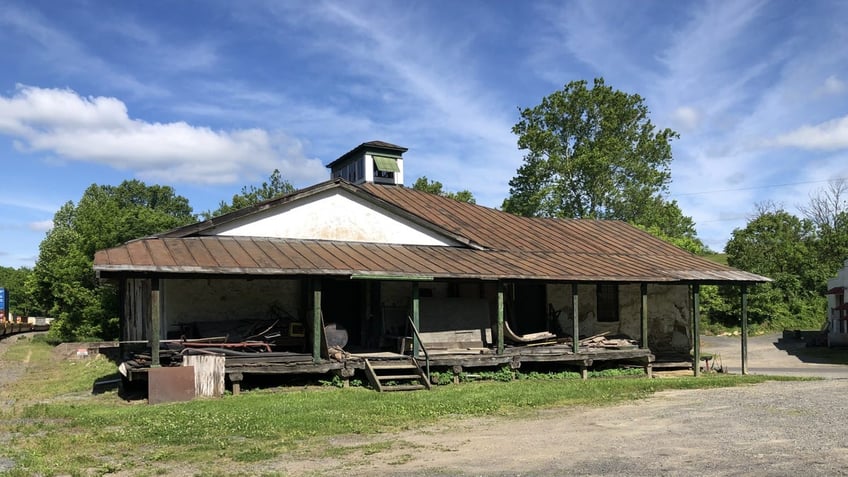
(590, 152)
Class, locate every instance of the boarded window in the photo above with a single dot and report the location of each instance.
(607, 303)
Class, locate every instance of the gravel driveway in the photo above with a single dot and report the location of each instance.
(770, 354)
(769, 429)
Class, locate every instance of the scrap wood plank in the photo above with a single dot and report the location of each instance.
(594, 338)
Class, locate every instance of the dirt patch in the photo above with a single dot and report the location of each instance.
(774, 428)
(11, 372)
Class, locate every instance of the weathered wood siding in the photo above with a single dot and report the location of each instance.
(136, 302)
(208, 374)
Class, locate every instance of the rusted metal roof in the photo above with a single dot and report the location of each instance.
(495, 229)
(265, 256)
(499, 246)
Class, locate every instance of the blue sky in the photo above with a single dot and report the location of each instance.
(210, 96)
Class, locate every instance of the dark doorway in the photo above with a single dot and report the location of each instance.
(343, 303)
(529, 309)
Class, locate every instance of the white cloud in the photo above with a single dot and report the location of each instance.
(829, 135)
(685, 118)
(31, 203)
(99, 130)
(415, 84)
(40, 226)
(832, 85)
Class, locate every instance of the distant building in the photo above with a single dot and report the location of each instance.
(837, 308)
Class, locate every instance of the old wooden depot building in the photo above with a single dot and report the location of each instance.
(358, 272)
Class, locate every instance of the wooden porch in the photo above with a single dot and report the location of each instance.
(347, 365)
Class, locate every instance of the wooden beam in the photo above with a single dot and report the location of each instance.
(416, 317)
(155, 322)
(367, 328)
(317, 329)
(500, 318)
(644, 310)
(696, 329)
(575, 316)
(387, 277)
(744, 329)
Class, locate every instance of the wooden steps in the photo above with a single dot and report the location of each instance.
(396, 375)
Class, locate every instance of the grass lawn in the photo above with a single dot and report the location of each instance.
(53, 425)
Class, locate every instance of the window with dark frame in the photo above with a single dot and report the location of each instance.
(607, 303)
(385, 167)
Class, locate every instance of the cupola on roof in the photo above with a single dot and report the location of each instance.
(377, 162)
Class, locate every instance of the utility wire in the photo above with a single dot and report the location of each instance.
(769, 186)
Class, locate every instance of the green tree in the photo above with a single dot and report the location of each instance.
(594, 153)
(21, 301)
(63, 282)
(275, 187)
(828, 212)
(435, 187)
(779, 245)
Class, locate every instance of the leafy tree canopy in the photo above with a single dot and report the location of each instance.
(780, 246)
(21, 302)
(828, 211)
(63, 283)
(594, 153)
(774, 241)
(275, 187)
(435, 187)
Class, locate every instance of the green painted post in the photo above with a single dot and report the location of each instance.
(317, 329)
(696, 329)
(500, 318)
(416, 316)
(155, 322)
(575, 317)
(744, 329)
(644, 310)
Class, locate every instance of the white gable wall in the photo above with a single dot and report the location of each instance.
(333, 215)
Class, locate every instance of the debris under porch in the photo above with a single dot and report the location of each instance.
(239, 365)
(347, 365)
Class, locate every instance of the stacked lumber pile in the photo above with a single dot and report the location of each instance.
(609, 342)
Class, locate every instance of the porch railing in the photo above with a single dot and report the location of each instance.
(423, 348)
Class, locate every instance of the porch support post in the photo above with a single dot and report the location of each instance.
(696, 329)
(500, 318)
(154, 322)
(575, 326)
(365, 333)
(416, 317)
(744, 329)
(644, 311)
(317, 329)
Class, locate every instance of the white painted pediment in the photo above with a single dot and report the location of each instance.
(332, 215)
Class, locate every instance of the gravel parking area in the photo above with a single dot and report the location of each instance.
(769, 429)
